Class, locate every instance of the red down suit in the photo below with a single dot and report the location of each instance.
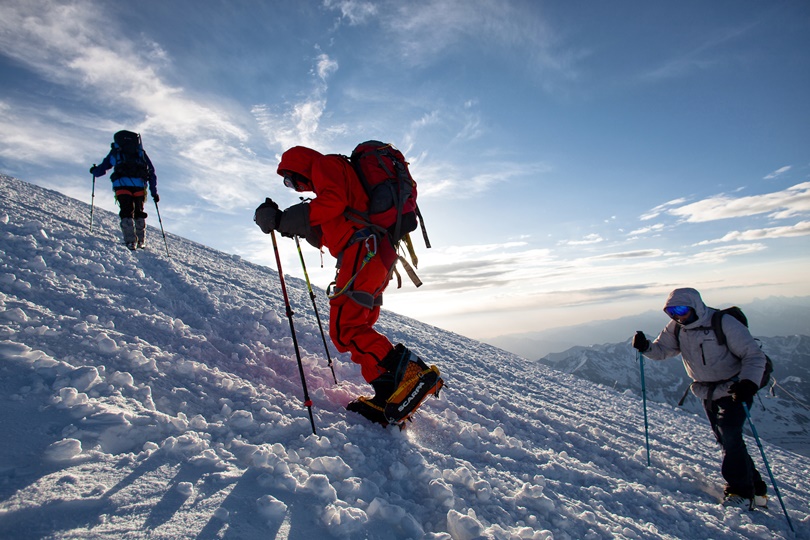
(353, 313)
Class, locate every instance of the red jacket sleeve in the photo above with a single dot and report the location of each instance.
(336, 188)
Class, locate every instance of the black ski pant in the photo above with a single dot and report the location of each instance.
(131, 201)
(727, 418)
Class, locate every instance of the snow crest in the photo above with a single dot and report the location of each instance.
(161, 396)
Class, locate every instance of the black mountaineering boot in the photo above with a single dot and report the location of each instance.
(372, 408)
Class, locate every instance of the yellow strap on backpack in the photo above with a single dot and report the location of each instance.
(411, 252)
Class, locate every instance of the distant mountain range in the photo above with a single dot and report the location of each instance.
(782, 419)
(773, 316)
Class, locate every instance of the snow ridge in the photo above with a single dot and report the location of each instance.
(154, 397)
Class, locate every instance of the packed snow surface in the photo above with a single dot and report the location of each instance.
(146, 396)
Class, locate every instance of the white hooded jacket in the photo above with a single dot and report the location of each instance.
(712, 366)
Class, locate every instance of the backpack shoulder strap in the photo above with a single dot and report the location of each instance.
(717, 326)
(422, 225)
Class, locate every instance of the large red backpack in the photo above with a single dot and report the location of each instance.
(391, 189)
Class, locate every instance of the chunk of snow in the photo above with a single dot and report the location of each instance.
(63, 450)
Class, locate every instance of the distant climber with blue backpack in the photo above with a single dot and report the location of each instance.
(132, 171)
(728, 368)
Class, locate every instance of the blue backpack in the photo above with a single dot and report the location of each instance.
(129, 156)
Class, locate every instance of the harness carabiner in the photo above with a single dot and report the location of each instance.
(371, 252)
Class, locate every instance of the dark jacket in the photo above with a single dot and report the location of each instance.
(121, 181)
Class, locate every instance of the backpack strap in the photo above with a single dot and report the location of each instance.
(411, 252)
(717, 326)
(422, 225)
(410, 271)
(361, 218)
(358, 217)
(685, 393)
(370, 241)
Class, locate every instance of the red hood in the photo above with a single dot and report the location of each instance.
(299, 159)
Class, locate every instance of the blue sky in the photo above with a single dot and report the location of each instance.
(576, 160)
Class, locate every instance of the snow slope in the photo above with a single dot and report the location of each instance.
(152, 397)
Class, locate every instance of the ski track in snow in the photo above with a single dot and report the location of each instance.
(154, 397)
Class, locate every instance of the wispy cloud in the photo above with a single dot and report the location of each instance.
(354, 11)
(799, 229)
(582, 296)
(525, 279)
(699, 57)
(477, 249)
(62, 43)
(778, 172)
(483, 266)
(658, 227)
(778, 205)
(629, 255)
(299, 123)
(325, 67)
(472, 128)
(424, 32)
(660, 209)
(26, 131)
(722, 254)
(438, 178)
(588, 239)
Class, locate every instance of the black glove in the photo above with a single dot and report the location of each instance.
(295, 221)
(267, 216)
(156, 197)
(93, 170)
(743, 391)
(640, 341)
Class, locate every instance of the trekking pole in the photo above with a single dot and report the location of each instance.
(315, 307)
(644, 401)
(768, 467)
(92, 199)
(165, 242)
(307, 401)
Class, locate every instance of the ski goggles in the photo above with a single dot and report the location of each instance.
(677, 311)
(296, 181)
(290, 182)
